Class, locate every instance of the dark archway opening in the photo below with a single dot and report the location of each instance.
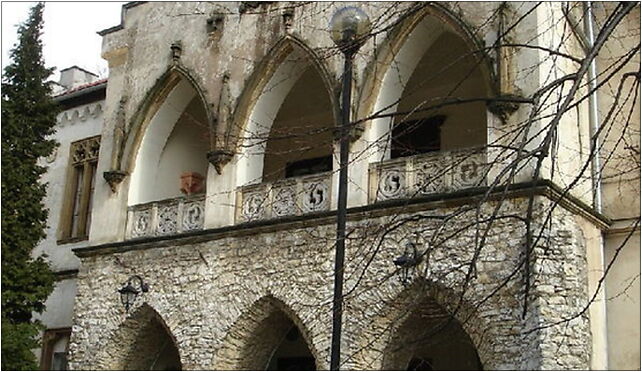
(446, 73)
(266, 337)
(429, 339)
(300, 140)
(152, 349)
(292, 354)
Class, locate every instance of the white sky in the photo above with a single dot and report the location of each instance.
(69, 34)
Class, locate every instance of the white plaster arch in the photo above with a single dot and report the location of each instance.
(400, 64)
(158, 131)
(399, 70)
(249, 158)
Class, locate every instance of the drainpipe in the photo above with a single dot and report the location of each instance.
(596, 171)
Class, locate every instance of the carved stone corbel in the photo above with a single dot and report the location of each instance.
(177, 51)
(503, 106)
(218, 158)
(355, 133)
(114, 178)
(288, 18)
(506, 101)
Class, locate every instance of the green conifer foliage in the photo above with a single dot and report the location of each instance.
(28, 119)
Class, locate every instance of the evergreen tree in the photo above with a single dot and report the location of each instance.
(28, 119)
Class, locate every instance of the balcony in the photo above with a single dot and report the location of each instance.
(166, 217)
(425, 174)
(408, 177)
(289, 197)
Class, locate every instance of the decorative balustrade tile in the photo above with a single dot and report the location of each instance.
(392, 183)
(428, 174)
(141, 223)
(166, 217)
(316, 196)
(289, 197)
(431, 175)
(284, 201)
(167, 220)
(254, 205)
(469, 170)
(193, 216)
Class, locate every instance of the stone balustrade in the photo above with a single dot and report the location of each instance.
(166, 217)
(408, 177)
(289, 197)
(424, 174)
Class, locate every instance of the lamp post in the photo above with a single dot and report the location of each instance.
(348, 27)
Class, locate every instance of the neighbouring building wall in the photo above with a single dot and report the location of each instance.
(623, 299)
(619, 113)
(78, 120)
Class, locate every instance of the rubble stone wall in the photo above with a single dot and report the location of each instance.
(218, 294)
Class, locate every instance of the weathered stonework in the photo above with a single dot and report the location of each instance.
(222, 300)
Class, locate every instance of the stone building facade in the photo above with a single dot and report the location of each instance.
(218, 159)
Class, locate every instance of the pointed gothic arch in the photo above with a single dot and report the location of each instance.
(395, 65)
(256, 336)
(421, 322)
(143, 341)
(154, 99)
(175, 101)
(264, 72)
(286, 62)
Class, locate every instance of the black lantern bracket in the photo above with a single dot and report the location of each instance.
(407, 264)
(130, 291)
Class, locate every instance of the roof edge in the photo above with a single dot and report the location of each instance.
(120, 26)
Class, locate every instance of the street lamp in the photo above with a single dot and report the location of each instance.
(348, 27)
(130, 290)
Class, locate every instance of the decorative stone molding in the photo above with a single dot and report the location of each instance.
(288, 18)
(218, 158)
(426, 174)
(166, 217)
(80, 114)
(289, 197)
(114, 178)
(215, 22)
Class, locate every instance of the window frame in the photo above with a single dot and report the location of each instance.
(76, 209)
(49, 339)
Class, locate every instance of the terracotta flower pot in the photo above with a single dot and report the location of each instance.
(192, 183)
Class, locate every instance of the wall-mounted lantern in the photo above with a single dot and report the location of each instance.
(407, 263)
(130, 290)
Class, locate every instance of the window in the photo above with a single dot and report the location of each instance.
(308, 166)
(414, 137)
(81, 175)
(55, 344)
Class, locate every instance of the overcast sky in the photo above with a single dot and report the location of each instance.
(69, 34)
